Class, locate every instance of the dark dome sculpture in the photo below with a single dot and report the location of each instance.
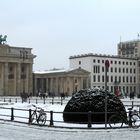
(94, 101)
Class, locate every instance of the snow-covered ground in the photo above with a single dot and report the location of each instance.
(18, 131)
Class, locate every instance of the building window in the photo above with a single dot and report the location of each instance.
(130, 79)
(111, 88)
(127, 89)
(119, 62)
(130, 70)
(98, 78)
(96, 69)
(126, 70)
(123, 63)
(98, 61)
(123, 70)
(134, 70)
(134, 63)
(111, 78)
(115, 78)
(134, 79)
(102, 69)
(94, 78)
(103, 79)
(127, 79)
(115, 62)
(115, 69)
(23, 69)
(11, 76)
(119, 78)
(134, 89)
(79, 62)
(119, 70)
(111, 69)
(123, 79)
(94, 60)
(10, 69)
(139, 63)
(23, 76)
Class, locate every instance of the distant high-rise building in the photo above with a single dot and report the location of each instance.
(129, 49)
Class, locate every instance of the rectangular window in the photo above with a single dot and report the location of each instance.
(123, 70)
(123, 79)
(127, 79)
(11, 76)
(130, 79)
(134, 70)
(134, 79)
(119, 70)
(94, 78)
(126, 70)
(111, 88)
(103, 79)
(102, 69)
(111, 69)
(115, 69)
(119, 78)
(96, 69)
(98, 78)
(111, 78)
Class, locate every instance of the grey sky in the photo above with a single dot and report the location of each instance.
(57, 29)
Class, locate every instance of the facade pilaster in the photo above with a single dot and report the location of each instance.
(6, 78)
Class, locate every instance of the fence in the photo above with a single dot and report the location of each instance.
(23, 115)
(38, 100)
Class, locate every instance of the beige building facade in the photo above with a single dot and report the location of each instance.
(15, 70)
(56, 82)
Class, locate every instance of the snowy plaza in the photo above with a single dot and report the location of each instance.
(19, 131)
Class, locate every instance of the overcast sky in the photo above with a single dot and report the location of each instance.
(58, 29)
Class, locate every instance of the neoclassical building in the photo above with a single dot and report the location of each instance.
(124, 70)
(15, 70)
(61, 81)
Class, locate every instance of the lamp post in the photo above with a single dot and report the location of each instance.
(106, 70)
(23, 56)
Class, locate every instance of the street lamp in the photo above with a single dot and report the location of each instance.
(106, 70)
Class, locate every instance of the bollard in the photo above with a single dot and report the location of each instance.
(61, 101)
(89, 119)
(44, 100)
(36, 101)
(29, 100)
(52, 101)
(132, 104)
(51, 118)
(16, 100)
(12, 114)
(30, 114)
